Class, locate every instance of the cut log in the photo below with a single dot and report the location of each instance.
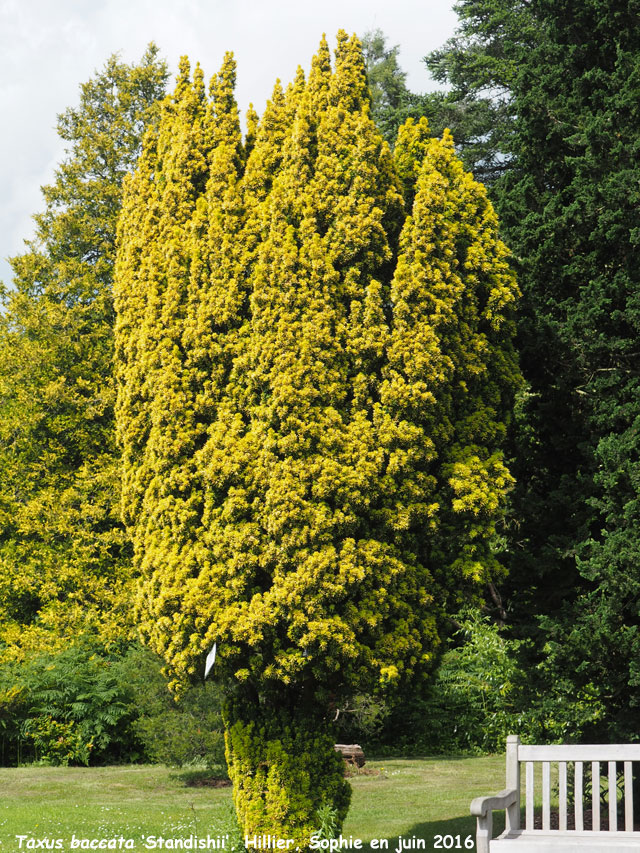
(351, 752)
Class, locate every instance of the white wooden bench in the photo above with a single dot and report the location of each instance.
(609, 831)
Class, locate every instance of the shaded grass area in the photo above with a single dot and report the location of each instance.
(417, 798)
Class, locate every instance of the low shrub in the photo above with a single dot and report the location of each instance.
(66, 708)
(88, 704)
(471, 702)
(57, 743)
(190, 733)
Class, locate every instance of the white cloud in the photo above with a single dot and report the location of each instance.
(48, 49)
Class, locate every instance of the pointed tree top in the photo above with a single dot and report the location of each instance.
(274, 112)
(252, 119)
(276, 101)
(150, 55)
(342, 37)
(349, 83)
(226, 78)
(414, 140)
(198, 83)
(447, 138)
(320, 75)
(294, 91)
(266, 152)
(299, 79)
(252, 130)
(225, 108)
(184, 71)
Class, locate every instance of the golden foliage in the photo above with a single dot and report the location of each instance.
(314, 384)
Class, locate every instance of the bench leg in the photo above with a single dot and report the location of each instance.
(484, 832)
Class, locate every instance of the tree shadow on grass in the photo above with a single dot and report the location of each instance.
(456, 827)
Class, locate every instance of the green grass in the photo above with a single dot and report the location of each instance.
(419, 797)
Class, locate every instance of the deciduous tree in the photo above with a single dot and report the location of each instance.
(64, 554)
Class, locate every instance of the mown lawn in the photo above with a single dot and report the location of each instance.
(411, 798)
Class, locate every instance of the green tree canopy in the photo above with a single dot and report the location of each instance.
(479, 66)
(569, 206)
(391, 101)
(64, 555)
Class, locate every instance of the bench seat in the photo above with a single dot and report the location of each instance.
(551, 841)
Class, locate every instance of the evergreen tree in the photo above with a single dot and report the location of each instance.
(64, 555)
(452, 368)
(159, 428)
(391, 101)
(387, 81)
(479, 66)
(569, 204)
(313, 390)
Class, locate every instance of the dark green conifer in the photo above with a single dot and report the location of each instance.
(569, 203)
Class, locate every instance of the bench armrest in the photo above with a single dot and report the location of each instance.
(481, 805)
(483, 808)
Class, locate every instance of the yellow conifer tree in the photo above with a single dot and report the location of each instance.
(314, 387)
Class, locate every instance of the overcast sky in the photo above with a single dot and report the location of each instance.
(49, 47)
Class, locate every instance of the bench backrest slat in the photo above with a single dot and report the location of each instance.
(578, 797)
(595, 794)
(546, 795)
(613, 801)
(529, 795)
(628, 796)
(562, 795)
